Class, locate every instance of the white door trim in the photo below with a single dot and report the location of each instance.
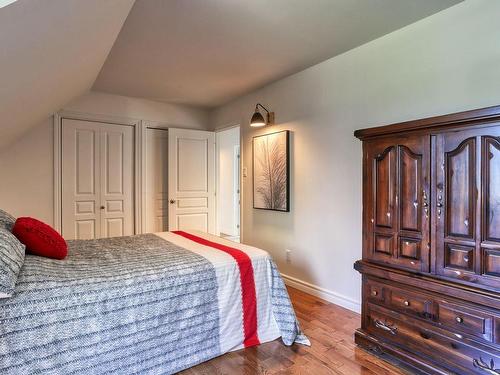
(139, 132)
(217, 171)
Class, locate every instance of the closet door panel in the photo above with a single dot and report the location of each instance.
(116, 181)
(80, 180)
(97, 180)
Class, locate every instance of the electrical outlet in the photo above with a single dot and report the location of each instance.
(288, 256)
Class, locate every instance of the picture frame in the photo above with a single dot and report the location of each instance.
(271, 171)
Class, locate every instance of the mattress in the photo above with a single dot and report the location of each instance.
(145, 304)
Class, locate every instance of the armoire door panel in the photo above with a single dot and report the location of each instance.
(459, 257)
(467, 235)
(491, 188)
(410, 194)
(460, 189)
(410, 248)
(384, 244)
(491, 262)
(385, 187)
(397, 202)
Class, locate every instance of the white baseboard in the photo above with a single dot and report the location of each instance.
(327, 295)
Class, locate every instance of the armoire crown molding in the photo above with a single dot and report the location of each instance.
(443, 122)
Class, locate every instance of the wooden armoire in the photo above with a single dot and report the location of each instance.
(431, 243)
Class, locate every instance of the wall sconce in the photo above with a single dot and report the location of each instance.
(258, 120)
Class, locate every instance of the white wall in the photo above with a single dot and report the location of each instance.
(446, 63)
(26, 166)
(26, 174)
(226, 207)
(175, 115)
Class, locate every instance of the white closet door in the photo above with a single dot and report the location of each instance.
(117, 180)
(81, 218)
(97, 180)
(156, 180)
(191, 180)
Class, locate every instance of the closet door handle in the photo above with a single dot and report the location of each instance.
(102, 207)
(172, 201)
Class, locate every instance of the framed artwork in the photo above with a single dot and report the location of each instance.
(271, 171)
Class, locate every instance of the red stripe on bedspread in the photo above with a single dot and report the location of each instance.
(249, 295)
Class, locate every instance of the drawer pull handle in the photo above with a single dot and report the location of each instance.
(487, 368)
(459, 319)
(374, 293)
(406, 303)
(385, 327)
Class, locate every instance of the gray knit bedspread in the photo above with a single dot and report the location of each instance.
(122, 305)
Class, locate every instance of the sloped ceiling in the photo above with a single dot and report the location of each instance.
(51, 52)
(207, 52)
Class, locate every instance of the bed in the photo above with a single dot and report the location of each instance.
(148, 304)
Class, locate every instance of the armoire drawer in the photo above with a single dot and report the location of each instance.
(445, 313)
(466, 320)
(402, 300)
(428, 341)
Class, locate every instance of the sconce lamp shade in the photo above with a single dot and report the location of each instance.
(257, 120)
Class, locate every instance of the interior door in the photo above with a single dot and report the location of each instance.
(156, 180)
(467, 205)
(97, 180)
(397, 202)
(191, 180)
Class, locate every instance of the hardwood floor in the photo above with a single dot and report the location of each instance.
(330, 329)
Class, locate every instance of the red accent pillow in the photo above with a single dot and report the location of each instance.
(40, 238)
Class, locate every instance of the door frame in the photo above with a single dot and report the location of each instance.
(237, 186)
(139, 161)
(145, 126)
(217, 170)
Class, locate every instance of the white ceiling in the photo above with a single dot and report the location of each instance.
(50, 52)
(207, 52)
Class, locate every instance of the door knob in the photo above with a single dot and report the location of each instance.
(102, 207)
(172, 201)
